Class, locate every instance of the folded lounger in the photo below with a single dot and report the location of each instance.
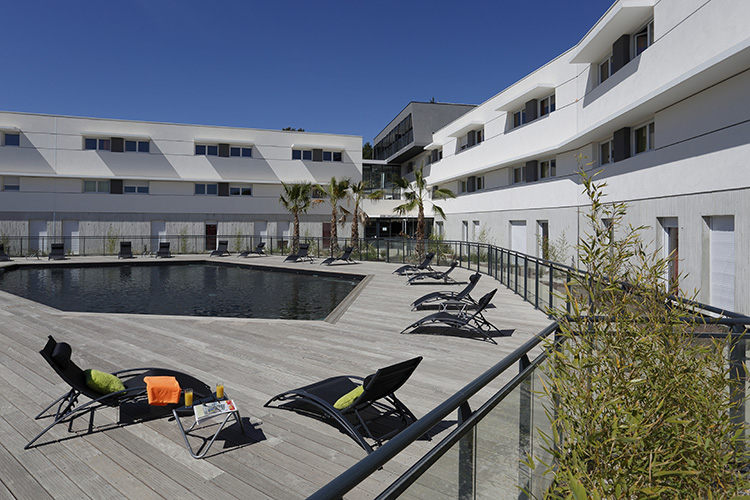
(126, 250)
(474, 323)
(259, 250)
(346, 257)
(221, 250)
(434, 275)
(300, 255)
(335, 398)
(164, 250)
(411, 268)
(445, 300)
(68, 407)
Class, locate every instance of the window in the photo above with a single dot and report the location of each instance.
(471, 139)
(100, 144)
(240, 191)
(480, 183)
(137, 146)
(307, 154)
(606, 150)
(463, 188)
(519, 118)
(643, 138)
(209, 189)
(547, 168)
(135, 187)
(605, 69)
(518, 175)
(11, 183)
(96, 186)
(240, 152)
(436, 155)
(643, 39)
(546, 105)
(12, 139)
(207, 150)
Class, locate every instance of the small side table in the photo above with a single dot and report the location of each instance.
(185, 411)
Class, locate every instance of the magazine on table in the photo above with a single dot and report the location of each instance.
(206, 411)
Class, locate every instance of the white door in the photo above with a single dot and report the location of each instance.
(38, 235)
(71, 234)
(722, 262)
(518, 236)
(261, 230)
(158, 234)
(670, 250)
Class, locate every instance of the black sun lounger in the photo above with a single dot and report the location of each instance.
(164, 250)
(221, 250)
(434, 275)
(422, 266)
(473, 322)
(300, 255)
(68, 407)
(377, 394)
(259, 250)
(345, 257)
(3, 256)
(57, 251)
(458, 299)
(126, 250)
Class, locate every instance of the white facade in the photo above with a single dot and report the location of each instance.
(660, 85)
(51, 182)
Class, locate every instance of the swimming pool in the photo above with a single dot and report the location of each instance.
(195, 289)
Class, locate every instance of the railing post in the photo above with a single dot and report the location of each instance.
(525, 278)
(551, 282)
(536, 283)
(466, 457)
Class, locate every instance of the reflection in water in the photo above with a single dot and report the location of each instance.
(186, 290)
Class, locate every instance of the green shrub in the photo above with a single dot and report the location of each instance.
(641, 408)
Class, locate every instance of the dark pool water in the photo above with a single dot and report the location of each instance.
(184, 290)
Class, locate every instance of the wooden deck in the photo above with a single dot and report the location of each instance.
(284, 455)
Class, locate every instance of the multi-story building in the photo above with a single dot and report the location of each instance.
(74, 177)
(656, 97)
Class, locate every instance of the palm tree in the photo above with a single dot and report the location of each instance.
(357, 193)
(297, 198)
(336, 191)
(416, 195)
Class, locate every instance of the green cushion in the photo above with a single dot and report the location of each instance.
(347, 399)
(104, 383)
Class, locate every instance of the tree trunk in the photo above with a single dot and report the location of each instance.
(334, 232)
(355, 228)
(420, 232)
(295, 238)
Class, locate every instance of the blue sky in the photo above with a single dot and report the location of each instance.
(328, 66)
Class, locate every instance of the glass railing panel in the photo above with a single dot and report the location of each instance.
(540, 426)
(500, 446)
(440, 481)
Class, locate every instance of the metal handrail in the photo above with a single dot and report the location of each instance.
(375, 460)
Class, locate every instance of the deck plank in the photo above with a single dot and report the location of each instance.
(284, 455)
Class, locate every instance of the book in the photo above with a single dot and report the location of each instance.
(206, 411)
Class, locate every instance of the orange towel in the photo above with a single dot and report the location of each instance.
(162, 390)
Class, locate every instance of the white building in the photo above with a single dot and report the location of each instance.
(656, 95)
(65, 176)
